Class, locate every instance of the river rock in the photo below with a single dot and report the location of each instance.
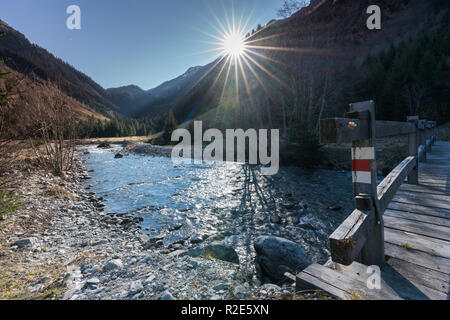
(240, 292)
(275, 256)
(104, 145)
(24, 243)
(113, 265)
(271, 287)
(166, 295)
(136, 287)
(196, 238)
(222, 252)
(217, 250)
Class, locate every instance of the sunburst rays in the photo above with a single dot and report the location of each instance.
(242, 57)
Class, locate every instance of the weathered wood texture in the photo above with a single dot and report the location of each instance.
(343, 130)
(417, 240)
(389, 186)
(350, 237)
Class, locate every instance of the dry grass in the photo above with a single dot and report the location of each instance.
(16, 276)
(118, 139)
(61, 193)
(354, 296)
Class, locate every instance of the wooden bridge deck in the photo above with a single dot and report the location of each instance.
(417, 243)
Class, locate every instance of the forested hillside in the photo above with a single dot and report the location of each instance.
(30, 59)
(411, 78)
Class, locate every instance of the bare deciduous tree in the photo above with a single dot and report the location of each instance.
(55, 127)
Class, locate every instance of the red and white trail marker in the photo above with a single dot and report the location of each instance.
(361, 164)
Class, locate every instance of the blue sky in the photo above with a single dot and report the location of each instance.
(142, 42)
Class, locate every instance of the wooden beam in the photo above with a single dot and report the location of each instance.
(390, 185)
(345, 130)
(393, 128)
(413, 143)
(350, 237)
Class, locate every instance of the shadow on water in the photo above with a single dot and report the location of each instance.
(218, 197)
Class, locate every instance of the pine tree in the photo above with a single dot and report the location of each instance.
(169, 127)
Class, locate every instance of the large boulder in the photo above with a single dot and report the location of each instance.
(275, 256)
(217, 250)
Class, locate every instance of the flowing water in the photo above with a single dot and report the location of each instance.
(229, 199)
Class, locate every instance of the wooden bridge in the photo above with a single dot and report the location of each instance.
(400, 229)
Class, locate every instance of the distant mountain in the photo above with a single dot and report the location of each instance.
(27, 58)
(135, 102)
(127, 98)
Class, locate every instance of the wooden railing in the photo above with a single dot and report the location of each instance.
(361, 236)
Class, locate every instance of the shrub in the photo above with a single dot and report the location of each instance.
(306, 147)
(9, 203)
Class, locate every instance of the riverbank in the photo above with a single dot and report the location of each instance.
(61, 244)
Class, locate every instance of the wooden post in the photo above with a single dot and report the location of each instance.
(428, 136)
(431, 134)
(413, 145)
(423, 139)
(365, 183)
(434, 133)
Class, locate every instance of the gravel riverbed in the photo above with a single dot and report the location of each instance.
(63, 245)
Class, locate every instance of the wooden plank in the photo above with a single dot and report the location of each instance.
(420, 228)
(359, 272)
(413, 208)
(422, 189)
(419, 196)
(418, 242)
(389, 186)
(418, 257)
(424, 167)
(439, 162)
(428, 179)
(401, 280)
(353, 288)
(305, 282)
(444, 187)
(423, 276)
(422, 200)
(349, 238)
(418, 217)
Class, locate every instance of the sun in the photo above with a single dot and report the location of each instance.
(234, 44)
